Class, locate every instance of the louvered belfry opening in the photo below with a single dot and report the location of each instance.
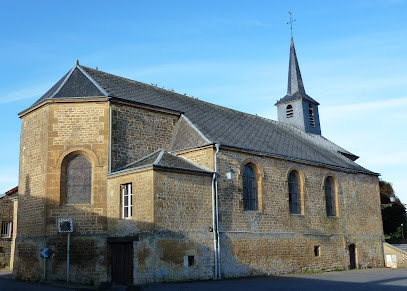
(311, 115)
(290, 111)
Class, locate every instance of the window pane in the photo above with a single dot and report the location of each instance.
(78, 180)
(329, 199)
(126, 200)
(249, 188)
(293, 193)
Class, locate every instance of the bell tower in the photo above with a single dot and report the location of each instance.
(297, 108)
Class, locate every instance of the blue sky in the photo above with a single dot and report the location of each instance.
(352, 56)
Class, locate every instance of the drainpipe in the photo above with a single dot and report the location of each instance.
(110, 137)
(217, 211)
(214, 218)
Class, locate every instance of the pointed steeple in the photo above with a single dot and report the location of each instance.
(295, 86)
(295, 83)
(297, 108)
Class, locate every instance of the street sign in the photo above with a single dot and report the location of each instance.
(65, 225)
(44, 253)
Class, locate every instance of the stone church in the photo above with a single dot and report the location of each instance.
(164, 187)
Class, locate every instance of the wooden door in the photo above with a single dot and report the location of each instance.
(352, 256)
(122, 262)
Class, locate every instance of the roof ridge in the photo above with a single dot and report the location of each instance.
(92, 79)
(63, 82)
(157, 160)
(179, 94)
(138, 161)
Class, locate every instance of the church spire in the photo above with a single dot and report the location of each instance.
(297, 108)
(295, 83)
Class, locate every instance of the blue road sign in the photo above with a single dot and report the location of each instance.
(44, 253)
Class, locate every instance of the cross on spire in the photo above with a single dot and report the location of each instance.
(291, 22)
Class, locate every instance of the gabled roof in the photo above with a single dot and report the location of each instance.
(216, 124)
(295, 86)
(165, 160)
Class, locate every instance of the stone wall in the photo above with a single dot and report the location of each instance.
(49, 136)
(401, 255)
(202, 156)
(6, 215)
(143, 207)
(182, 221)
(137, 132)
(290, 239)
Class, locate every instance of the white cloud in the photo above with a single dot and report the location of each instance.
(24, 93)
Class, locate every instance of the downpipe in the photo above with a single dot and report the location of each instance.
(217, 212)
(214, 220)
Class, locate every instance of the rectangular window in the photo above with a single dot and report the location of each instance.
(317, 251)
(127, 200)
(6, 229)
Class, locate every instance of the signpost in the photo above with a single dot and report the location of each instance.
(44, 253)
(66, 225)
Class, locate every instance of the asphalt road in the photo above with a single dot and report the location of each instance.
(369, 280)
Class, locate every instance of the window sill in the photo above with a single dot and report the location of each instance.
(297, 214)
(332, 217)
(126, 218)
(253, 211)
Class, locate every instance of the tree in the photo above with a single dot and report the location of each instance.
(393, 213)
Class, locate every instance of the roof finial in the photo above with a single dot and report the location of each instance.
(77, 63)
(291, 22)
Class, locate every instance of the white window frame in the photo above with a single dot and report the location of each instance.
(6, 228)
(127, 192)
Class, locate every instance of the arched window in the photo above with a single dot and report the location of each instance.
(78, 180)
(249, 188)
(311, 115)
(294, 192)
(290, 112)
(329, 197)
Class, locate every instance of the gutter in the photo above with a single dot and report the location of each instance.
(215, 216)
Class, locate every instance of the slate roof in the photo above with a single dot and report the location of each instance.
(295, 86)
(163, 159)
(218, 124)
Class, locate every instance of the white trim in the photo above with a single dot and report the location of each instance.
(126, 190)
(6, 227)
(196, 128)
(92, 80)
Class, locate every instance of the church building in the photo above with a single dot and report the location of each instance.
(160, 187)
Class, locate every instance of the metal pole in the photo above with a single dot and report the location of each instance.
(67, 259)
(45, 277)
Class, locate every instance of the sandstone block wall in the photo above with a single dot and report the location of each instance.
(202, 156)
(400, 255)
(143, 204)
(137, 132)
(49, 135)
(6, 215)
(182, 218)
(358, 219)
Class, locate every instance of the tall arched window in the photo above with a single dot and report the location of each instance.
(289, 111)
(249, 188)
(78, 180)
(294, 192)
(329, 197)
